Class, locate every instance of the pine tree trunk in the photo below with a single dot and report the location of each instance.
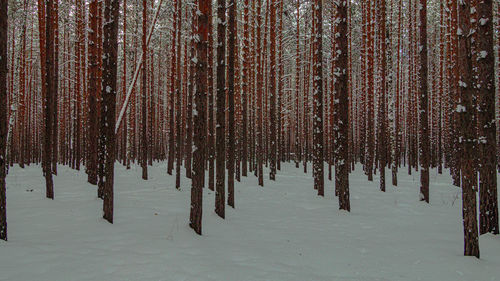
(246, 89)
(382, 139)
(488, 202)
(211, 128)
(92, 89)
(423, 110)
(108, 90)
(199, 116)
(272, 96)
(49, 90)
(220, 187)
(465, 111)
(144, 129)
(318, 100)
(232, 38)
(342, 109)
(3, 116)
(259, 108)
(191, 88)
(298, 150)
(178, 93)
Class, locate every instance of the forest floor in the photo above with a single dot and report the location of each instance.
(282, 231)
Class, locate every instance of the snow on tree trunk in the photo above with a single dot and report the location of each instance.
(342, 108)
(318, 99)
(488, 202)
(232, 38)
(220, 187)
(465, 111)
(108, 90)
(424, 101)
(272, 95)
(199, 116)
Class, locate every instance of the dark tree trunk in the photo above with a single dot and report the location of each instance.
(178, 93)
(465, 111)
(3, 115)
(272, 93)
(48, 103)
(211, 128)
(220, 187)
(382, 138)
(488, 202)
(342, 122)
(232, 37)
(189, 117)
(108, 90)
(92, 95)
(246, 89)
(144, 129)
(424, 100)
(318, 100)
(199, 116)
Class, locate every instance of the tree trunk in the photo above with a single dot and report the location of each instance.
(144, 129)
(488, 202)
(318, 100)
(232, 38)
(272, 95)
(108, 90)
(342, 120)
(465, 111)
(49, 90)
(220, 187)
(92, 90)
(199, 116)
(3, 115)
(178, 93)
(424, 100)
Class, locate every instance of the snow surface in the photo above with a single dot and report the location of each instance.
(282, 231)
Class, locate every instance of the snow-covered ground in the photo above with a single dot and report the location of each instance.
(282, 231)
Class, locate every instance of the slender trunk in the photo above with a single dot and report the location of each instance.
(3, 115)
(318, 100)
(272, 93)
(144, 129)
(232, 37)
(49, 90)
(342, 120)
(221, 106)
(92, 90)
(424, 100)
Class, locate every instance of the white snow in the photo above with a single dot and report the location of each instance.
(282, 231)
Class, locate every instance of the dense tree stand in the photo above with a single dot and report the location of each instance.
(402, 85)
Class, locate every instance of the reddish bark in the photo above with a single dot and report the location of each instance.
(221, 106)
(318, 100)
(232, 37)
(199, 118)
(465, 112)
(272, 95)
(488, 202)
(3, 116)
(342, 107)
(423, 110)
(108, 90)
